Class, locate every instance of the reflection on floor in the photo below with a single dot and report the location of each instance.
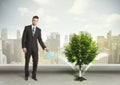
(60, 78)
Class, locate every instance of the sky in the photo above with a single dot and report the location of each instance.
(63, 16)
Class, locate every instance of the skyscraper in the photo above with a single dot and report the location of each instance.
(53, 43)
(18, 34)
(4, 34)
(110, 45)
(3, 59)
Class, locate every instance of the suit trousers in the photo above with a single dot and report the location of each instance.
(34, 54)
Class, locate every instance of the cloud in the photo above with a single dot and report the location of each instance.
(39, 12)
(107, 22)
(79, 6)
(26, 11)
(23, 10)
(113, 18)
(48, 20)
(50, 23)
(113, 21)
(51, 19)
(42, 1)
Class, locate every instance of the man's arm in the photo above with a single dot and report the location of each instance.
(40, 40)
(24, 38)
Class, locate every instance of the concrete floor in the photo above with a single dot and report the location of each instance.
(60, 78)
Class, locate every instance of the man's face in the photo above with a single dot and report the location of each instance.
(34, 21)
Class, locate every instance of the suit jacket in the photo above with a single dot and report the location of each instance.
(29, 41)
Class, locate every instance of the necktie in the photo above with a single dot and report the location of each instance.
(33, 31)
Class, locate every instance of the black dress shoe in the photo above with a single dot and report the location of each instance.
(26, 78)
(34, 78)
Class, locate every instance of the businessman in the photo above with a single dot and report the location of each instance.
(30, 36)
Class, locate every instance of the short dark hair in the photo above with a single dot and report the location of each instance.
(35, 17)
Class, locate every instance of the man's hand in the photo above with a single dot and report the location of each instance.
(46, 49)
(24, 50)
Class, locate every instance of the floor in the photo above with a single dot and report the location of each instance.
(60, 78)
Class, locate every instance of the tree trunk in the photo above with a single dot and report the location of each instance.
(80, 73)
(79, 77)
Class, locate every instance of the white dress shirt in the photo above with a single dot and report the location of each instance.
(34, 29)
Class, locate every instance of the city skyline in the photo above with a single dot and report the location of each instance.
(61, 40)
(11, 50)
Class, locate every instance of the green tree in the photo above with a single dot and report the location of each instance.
(81, 50)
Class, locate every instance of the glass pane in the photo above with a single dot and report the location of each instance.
(58, 20)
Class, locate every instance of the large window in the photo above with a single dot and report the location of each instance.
(59, 19)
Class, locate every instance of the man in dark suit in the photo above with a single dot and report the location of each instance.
(30, 36)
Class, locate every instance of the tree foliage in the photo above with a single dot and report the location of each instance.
(81, 49)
